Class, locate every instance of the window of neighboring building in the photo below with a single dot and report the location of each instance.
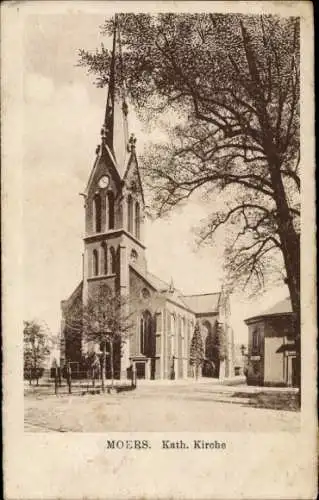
(110, 200)
(95, 263)
(97, 206)
(255, 340)
(137, 220)
(130, 214)
(104, 258)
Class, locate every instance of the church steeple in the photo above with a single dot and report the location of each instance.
(114, 132)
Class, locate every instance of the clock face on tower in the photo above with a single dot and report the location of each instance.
(104, 181)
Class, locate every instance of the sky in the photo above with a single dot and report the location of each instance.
(62, 117)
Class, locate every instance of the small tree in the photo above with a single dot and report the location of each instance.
(210, 350)
(106, 321)
(36, 348)
(103, 320)
(196, 357)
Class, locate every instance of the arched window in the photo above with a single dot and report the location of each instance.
(173, 333)
(110, 200)
(97, 206)
(137, 220)
(208, 338)
(130, 214)
(206, 329)
(104, 258)
(95, 262)
(146, 335)
(112, 260)
(183, 327)
(255, 340)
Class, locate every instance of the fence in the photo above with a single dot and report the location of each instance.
(83, 382)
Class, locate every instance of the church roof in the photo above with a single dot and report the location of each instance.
(74, 295)
(281, 307)
(172, 294)
(198, 304)
(203, 303)
(284, 306)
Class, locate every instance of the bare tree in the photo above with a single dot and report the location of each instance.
(36, 344)
(232, 82)
(104, 321)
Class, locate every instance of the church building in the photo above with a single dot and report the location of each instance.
(115, 258)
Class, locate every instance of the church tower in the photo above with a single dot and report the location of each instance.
(114, 201)
(163, 318)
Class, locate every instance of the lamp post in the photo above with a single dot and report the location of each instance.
(35, 358)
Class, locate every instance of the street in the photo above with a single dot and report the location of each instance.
(180, 408)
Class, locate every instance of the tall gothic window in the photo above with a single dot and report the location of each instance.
(146, 335)
(173, 332)
(97, 213)
(95, 262)
(110, 200)
(130, 214)
(112, 260)
(137, 220)
(104, 266)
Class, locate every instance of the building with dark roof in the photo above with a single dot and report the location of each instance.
(163, 318)
(271, 347)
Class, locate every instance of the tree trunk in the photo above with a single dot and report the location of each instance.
(290, 242)
(36, 374)
(93, 376)
(112, 364)
(103, 367)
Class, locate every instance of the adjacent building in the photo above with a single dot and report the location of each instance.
(271, 347)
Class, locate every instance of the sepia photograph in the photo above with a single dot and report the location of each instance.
(161, 211)
(211, 155)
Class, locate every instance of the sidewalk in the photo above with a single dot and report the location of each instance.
(231, 384)
(228, 385)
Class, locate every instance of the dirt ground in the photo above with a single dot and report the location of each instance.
(181, 408)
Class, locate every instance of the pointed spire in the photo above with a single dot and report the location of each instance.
(108, 126)
(114, 133)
